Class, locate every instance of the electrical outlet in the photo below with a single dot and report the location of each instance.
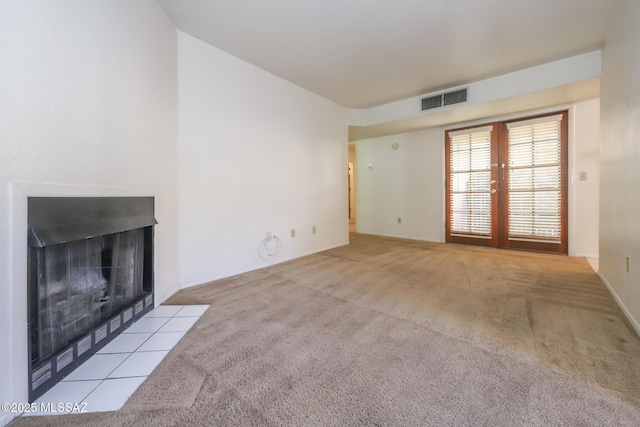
(313, 229)
(269, 235)
(293, 232)
(399, 220)
(627, 264)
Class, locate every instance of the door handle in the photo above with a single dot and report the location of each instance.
(493, 181)
(493, 191)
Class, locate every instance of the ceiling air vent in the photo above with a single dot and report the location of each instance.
(444, 99)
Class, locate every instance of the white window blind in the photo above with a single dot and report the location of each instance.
(470, 182)
(535, 180)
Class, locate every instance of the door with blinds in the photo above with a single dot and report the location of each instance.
(472, 208)
(507, 184)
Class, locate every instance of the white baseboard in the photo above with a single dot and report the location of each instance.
(395, 236)
(225, 275)
(625, 310)
(163, 298)
(6, 419)
(581, 255)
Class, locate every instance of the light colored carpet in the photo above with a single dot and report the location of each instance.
(387, 332)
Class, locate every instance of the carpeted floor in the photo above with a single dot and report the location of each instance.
(387, 332)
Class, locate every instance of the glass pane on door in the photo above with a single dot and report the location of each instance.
(535, 191)
(470, 206)
(507, 184)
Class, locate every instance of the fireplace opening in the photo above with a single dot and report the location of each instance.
(90, 276)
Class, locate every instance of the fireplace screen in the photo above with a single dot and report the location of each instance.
(90, 276)
(83, 283)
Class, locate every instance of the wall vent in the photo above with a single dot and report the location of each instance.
(455, 97)
(444, 99)
(432, 102)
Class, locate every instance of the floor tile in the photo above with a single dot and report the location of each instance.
(179, 324)
(161, 341)
(192, 310)
(164, 311)
(112, 394)
(98, 367)
(108, 378)
(139, 364)
(125, 343)
(65, 392)
(146, 324)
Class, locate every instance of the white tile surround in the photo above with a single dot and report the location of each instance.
(107, 380)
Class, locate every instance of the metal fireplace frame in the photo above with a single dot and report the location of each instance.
(57, 220)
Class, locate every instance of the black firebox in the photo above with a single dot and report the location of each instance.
(90, 275)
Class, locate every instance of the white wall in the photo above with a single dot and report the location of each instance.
(257, 154)
(584, 196)
(620, 160)
(88, 104)
(405, 183)
(409, 182)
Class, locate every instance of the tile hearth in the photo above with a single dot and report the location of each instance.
(107, 380)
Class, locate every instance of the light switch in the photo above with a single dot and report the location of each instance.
(583, 176)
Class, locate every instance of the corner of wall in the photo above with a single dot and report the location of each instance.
(629, 315)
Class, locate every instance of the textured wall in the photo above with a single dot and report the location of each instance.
(257, 154)
(407, 183)
(620, 157)
(89, 106)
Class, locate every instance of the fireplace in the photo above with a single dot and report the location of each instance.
(90, 275)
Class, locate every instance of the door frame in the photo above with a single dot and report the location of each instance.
(499, 154)
(503, 233)
(468, 240)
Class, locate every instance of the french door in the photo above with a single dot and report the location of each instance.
(507, 184)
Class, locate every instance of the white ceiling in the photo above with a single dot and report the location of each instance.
(363, 53)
